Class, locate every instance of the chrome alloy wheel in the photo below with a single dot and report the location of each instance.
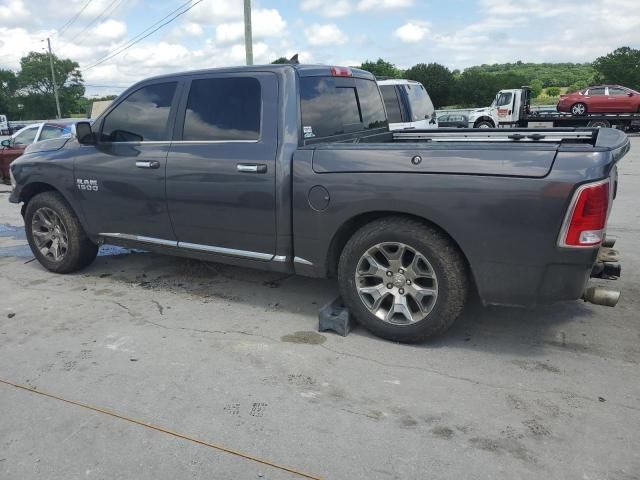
(49, 234)
(396, 283)
(578, 109)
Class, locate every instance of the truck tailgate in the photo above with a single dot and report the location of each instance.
(533, 161)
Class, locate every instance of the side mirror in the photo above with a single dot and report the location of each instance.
(6, 142)
(84, 133)
(630, 94)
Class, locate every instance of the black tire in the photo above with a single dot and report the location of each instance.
(599, 124)
(80, 252)
(445, 258)
(484, 124)
(575, 107)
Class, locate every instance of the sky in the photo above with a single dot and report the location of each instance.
(455, 33)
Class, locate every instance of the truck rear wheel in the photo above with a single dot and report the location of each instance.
(55, 235)
(402, 279)
(599, 124)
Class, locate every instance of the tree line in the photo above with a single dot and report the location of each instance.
(477, 86)
(28, 93)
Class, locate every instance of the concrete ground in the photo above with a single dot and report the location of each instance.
(232, 357)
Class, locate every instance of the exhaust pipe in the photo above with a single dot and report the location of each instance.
(601, 296)
(606, 254)
(609, 242)
(611, 269)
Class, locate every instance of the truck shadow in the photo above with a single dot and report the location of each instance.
(518, 331)
(509, 330)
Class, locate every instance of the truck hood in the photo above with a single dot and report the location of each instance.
(47, 145)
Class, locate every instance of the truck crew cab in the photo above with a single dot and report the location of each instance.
(292, 168)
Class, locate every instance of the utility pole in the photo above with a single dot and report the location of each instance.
(53, 79)
(248, 37)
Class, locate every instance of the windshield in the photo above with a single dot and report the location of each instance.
(338, 105)
(419, 101)
(502, 99)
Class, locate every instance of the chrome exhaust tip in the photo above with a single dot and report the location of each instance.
(601, 296)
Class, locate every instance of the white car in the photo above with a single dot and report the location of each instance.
(408, 105)
(37, 132)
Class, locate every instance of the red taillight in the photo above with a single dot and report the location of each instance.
(341, 72)
(587, 216)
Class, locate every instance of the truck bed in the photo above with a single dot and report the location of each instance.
(501, 198)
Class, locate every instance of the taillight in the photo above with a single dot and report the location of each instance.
(587, 216)
(341, 72)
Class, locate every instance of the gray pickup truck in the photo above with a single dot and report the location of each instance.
(292, 168)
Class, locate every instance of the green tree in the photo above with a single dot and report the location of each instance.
(536, 88)
(553, 91)
(36, 86)
(622, 66)
(476, 88)
(8, 87)
(281, 60)
(381, 68)
(579, 85)
(436, 78)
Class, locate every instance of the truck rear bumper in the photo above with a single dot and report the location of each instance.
(530, 286)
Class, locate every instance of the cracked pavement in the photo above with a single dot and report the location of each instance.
(232, 356)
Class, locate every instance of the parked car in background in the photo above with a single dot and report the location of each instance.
(14, 127)
(13, 147)
(453, 120)
(408, 104)
(4, 125)
(600, 99)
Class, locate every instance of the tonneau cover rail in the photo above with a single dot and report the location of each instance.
(499, 135)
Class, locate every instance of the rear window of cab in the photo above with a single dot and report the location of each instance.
(337, 105)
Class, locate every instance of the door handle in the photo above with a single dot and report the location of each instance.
(252, 168)
(147, 164)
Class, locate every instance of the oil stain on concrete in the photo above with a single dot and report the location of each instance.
(310, 338)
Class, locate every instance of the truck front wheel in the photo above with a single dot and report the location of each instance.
(402, 279)
(55, 235)
(484, 124)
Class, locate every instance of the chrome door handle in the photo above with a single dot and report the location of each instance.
(147, 164)
(252, 168)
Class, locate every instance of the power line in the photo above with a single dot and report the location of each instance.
(117, 49)
(97, 18)
(70, 22)
(103, 86)
(132, 43)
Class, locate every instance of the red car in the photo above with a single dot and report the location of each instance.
(600, 99)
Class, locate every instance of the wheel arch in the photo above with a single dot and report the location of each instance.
(352, 225)
(484, 119)
(34, 188)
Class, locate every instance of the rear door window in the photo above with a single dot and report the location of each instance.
(223, 109)
(53, 131)
(597, 91)
(419, 101)
(391, 103)
(142, 116)
(338, 105)
(617, 92)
